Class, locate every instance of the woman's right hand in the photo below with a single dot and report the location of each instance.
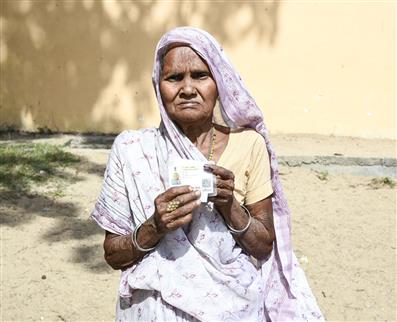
(188, 199)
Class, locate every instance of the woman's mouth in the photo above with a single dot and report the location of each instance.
(188, 104)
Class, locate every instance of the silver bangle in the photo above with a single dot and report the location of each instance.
(135, 242)
(241, 231)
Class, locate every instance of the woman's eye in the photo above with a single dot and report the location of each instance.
(201, 75)
(174, 78)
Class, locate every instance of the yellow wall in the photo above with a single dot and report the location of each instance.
(325, 67)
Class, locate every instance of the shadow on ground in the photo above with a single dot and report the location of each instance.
(22, 207)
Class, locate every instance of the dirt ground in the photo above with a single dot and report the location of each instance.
(344, 234)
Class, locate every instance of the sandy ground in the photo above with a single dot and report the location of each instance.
(344, 234)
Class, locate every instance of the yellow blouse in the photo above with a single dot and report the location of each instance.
(246, 156)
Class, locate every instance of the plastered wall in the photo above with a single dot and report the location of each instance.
(324, 67)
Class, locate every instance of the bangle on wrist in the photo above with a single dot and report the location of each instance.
(135, 242)
(241, 231)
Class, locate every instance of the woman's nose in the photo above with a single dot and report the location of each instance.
(188, 88)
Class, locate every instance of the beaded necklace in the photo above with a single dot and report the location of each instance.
(212, 147)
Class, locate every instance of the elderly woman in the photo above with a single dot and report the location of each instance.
(228, 259)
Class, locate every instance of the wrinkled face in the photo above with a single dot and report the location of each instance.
(187, 88)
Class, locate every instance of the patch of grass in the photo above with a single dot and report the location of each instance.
(382, 182)
(322, 175)
(24, 165)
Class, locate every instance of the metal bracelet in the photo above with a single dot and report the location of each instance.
(241, 231)
(135, 242)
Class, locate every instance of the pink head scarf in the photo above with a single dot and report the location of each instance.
(238, 109)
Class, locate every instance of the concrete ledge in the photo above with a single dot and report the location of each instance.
(297, 161)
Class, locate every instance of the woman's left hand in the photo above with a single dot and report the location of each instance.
(224, 186)
(256, 241)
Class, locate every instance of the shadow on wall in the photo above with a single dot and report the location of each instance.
(86, 65)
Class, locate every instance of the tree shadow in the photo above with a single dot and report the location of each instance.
(69, 226)
(23, 204)
(91, 258)
(86, 65)
(21, 207)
